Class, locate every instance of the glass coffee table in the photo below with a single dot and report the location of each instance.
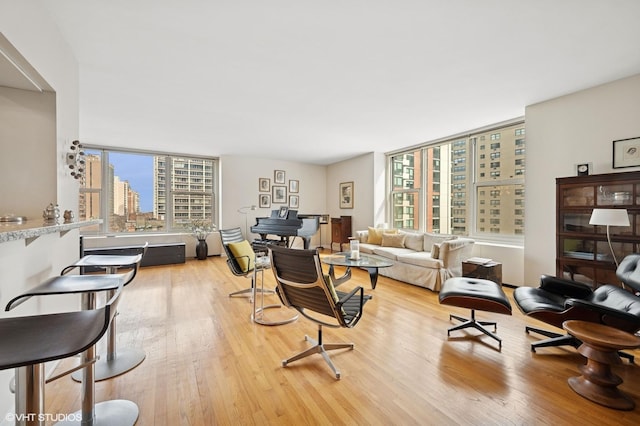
(369, 262)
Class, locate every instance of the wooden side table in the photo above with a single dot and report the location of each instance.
(491, 271)
(600, 344)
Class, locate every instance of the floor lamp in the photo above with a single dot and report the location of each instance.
(245, 210)
(610, 217)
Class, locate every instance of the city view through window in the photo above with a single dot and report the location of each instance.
(140, 192)
(465, 186)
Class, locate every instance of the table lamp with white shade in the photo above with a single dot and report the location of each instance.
(610, 217)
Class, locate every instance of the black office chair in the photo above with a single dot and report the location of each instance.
(302, 285)
(557, 300)
(242, 262)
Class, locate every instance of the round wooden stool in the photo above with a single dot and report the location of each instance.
(600, 344)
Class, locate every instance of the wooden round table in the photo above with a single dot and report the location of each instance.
(600, 344)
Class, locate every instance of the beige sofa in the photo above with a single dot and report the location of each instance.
(423, 259)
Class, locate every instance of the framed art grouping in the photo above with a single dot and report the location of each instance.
(346, 195)
(626, 153)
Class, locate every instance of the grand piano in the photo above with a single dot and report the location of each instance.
(285, 224)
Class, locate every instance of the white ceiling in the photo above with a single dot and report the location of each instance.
(320, 82)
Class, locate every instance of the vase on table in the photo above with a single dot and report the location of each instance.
(202, 250)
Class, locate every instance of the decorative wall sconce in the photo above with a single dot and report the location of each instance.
(75, 161)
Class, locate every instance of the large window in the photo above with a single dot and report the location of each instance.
(444, 186)
(146, 192)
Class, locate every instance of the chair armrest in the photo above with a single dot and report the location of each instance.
(564, 287)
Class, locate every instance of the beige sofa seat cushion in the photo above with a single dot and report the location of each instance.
(414, 240)
(421, 258)
(391, 252)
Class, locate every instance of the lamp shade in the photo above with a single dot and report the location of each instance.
(610, 217)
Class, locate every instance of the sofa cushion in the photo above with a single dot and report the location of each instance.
(375, 235)
(414, 241)
(420, 258)
(391, 252)
(430, 239)
(392, 240)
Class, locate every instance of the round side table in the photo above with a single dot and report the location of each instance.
(600, 344)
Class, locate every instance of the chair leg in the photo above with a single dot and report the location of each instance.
(320, 348)
(478, 325)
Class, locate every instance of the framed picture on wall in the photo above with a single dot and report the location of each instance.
(626, 153)
(279, 194)
(294, 201)
(264, 200)
(346, 195)
(294, 186)
(264, 185)
(278, 176)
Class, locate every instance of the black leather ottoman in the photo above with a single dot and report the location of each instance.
(475, 294)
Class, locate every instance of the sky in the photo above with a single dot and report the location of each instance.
(138, 170)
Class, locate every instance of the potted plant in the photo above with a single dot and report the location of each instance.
(201, 228)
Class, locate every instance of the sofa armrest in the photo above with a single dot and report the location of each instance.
(453, 252)
(362, 236)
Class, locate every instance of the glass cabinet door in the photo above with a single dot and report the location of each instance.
(577, 222)
(578, 196)
(615, 194)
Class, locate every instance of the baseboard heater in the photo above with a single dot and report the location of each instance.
(157, 254)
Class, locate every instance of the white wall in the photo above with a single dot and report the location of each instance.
(563, 132)
(30, 30)
(240, 176)
(367, 203)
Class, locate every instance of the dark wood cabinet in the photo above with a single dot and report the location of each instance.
(582, 250)
(340, 230)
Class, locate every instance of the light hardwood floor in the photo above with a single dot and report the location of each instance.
(208, 364)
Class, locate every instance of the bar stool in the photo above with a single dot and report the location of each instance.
(115, 362)
(28, 342)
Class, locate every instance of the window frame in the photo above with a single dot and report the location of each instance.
(477, 147)
(170, 192)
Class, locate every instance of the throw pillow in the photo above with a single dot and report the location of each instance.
(375, 236)
(392, 240)
(414, 241)
(243, 254)
(332, 289)
(435, 251)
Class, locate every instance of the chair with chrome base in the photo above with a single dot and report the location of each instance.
(115, 361)
(30, 341)
(120, 412)
(240, 259)
(302, 285)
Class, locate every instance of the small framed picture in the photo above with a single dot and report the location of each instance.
(626, 153)
(346, 195)
(264, 185)
(282, 213)
(293, 186)
(278, 177)
(264, 200)
(278, 194)
(294, 201)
